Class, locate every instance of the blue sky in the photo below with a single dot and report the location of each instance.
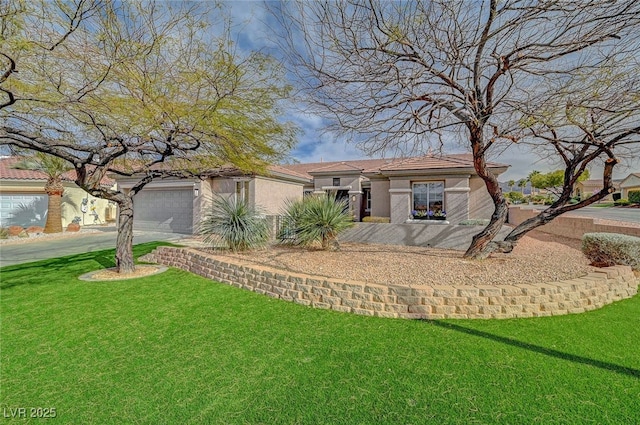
(253, 29)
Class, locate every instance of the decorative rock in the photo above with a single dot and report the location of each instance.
(73, 227)
(15, 230)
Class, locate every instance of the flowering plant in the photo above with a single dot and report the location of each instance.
(428, 214)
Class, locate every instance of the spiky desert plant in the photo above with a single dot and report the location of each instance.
(238, 225)
(320, 219)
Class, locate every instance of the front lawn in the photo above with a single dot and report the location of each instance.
(176, 348)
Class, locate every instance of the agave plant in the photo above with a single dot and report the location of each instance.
(238, 225)
(318, 219)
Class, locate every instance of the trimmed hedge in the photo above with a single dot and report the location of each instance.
(634, 196)
(475, 222)
(374, 219)
(610, 249)
(622, 201)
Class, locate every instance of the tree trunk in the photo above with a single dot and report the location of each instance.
(124, 241)
(480, 242)
(54, 192)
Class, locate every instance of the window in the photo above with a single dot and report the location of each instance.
(336, 181)
(428, 196)
(367, 200)
(242, 191)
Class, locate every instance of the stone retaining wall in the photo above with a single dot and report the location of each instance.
(596, 289)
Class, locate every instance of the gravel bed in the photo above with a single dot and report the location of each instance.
(538, 259)
(12, 240)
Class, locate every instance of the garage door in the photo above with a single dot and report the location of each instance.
(164, 210)
(23, 210)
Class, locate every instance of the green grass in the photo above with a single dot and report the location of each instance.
(176, 348)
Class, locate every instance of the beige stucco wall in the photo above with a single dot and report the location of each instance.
(630, 183)
(345, 180)
(106, 210)
(380, 198)
(480, 203)
(271, 195)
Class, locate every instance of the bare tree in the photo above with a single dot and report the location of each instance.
(143, 89)
(392, 75)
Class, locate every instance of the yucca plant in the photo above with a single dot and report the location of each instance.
(318, 219)
(238, 225)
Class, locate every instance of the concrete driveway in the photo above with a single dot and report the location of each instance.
(35, 250)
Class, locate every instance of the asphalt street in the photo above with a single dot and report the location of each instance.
(618, 214)
(89, 242)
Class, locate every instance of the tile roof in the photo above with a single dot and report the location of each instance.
(335, 167)
(7, 172)
(426, 162)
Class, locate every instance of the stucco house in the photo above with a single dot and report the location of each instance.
(177, 204)
(586, 188)
(629, 183)
(390, 188)
(23, 200)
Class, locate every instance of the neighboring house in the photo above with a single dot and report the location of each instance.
(23, 201)
(373, 187)
(629, 183)
(586, 188)
(177, 204)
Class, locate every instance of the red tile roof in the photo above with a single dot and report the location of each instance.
(7, 172)
(426, 162)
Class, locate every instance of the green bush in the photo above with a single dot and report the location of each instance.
(374, 219)
(622, 201)
(236, 224)
(609, 249)
(475, 222)
(634, 196)
(4, 233)
(317, 219)
(515, 197)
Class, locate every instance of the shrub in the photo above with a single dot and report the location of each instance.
(238, 225)
(622, 201)
(515, 197)
(475, 222)
(318, 219)
(634, 196)
(609, 249)
(374, 219)
(4, 233)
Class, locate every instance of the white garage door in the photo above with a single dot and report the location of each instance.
(23, 210)
(164, 210)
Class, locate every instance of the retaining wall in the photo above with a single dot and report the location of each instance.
(570, 227)
(596, 289)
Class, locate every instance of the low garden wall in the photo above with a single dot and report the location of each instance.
(570, 227)
(596, 289)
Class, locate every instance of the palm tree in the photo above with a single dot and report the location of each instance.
(530, 177)
(54, 168)
(511, 183)
(521, 184)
